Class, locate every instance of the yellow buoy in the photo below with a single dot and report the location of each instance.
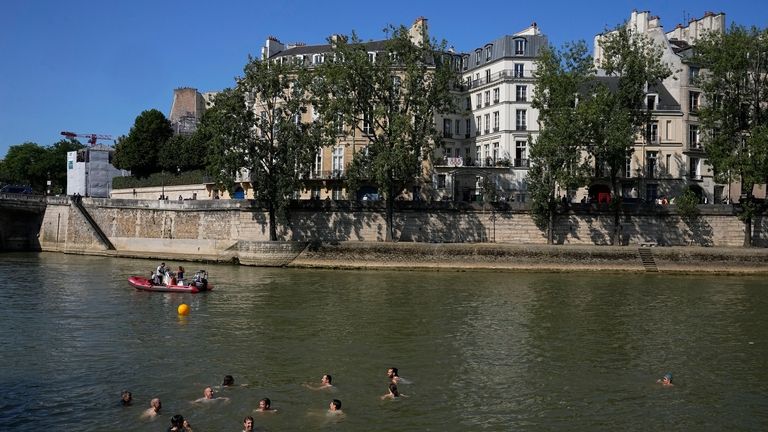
(183, 309)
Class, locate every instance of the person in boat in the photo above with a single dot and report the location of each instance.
(265, 405)
(248, 424)
(325, 383)
(201, 279)
(126, 398)
(159, 274)
(154, 408)
(180, 275)
(393, 392)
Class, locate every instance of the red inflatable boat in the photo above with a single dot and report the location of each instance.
(142, 283)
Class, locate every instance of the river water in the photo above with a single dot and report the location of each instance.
(481, 350)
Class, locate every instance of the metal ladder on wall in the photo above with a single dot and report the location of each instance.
(646, 256)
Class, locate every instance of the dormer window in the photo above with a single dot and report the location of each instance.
(488, 50)
(477, 56)
(520, 46)
(317, 59)
(465, 62)
(650, 102)
(372, 57)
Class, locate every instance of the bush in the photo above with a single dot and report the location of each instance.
(160, 179)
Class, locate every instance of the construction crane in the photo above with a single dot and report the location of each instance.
(91, 137)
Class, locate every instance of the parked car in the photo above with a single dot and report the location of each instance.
(16, 189)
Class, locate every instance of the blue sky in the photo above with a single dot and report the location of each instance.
(93, 66)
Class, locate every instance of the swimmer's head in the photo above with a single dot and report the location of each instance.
(229, 380)
(208, 393)
(126, 397)
(335, 405)
(265, 404)
(156, 404)
(177, 420)
(248, 423)
(327, 379)
(667, 377)
(392, 372)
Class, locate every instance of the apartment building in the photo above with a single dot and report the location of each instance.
(488, 138)
(669, 156)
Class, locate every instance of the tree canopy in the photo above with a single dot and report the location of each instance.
(139, 152)
(257, 134)
(391, 99)
(34, 165)
(556, 156)
(734, 117)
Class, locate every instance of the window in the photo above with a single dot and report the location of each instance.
(338, 160)
(487, 76)
(495, 95)
(468, 128)
(457, 124)
(372, 57)
(628, 167)
(465, 62)
(487, 123)
(488, 52)
(447, 152)
(441, 181)
(668, 165)
(336, 194)
(521, 159)
(315, 194)
(521, 92)
(477, 125)
(521, 123)
(693, 75)
(368, 123)
(519, 46)
(519, 70)
(496, 121)
(477, 57)
(469, 103)
(479, 98)
(653, 133)
(458, 152)
(650, 102)
(487, 156)
(651, 192)
(339, 124)
(318, 167)
(650, 164)
(693, 137)
(487, 97)
(396, 85)
(693, 169)
(669, 130)
(317, 59)
(447, 128)
(495, 154)
(693, 101)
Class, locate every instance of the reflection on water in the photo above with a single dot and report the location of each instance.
(495, 351)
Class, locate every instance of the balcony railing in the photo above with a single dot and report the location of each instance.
(324, 175)
(505, 74)
(521, 127)
(521, 163)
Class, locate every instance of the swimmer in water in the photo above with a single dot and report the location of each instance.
(265, 405)
(392, 375)
(248, 424)
(334, 407)
(208, 396)
(154, 408)
(666, 380)
(229, 380)
(325, 383)
(393, 392)
(126, 398)
(178, 424)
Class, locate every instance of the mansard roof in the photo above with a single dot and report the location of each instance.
(504, 47)
(374, 46)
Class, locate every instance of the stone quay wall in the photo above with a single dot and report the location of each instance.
(238, 231)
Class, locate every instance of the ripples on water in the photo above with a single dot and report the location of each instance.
(483, 351)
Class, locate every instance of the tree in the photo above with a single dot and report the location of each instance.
(619, 116)
(139, 151)
(556, 157)
(392, 101)
(184, 152)
(734, 117)
(34, 165)
(256, 132)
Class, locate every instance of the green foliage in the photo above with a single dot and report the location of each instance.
(687, 205)
(161, 178)
(556, 158)
(255, 131)
(139, 152)
(734, 118)
(392, 101)
(33, 165)
(617, 117)
(184, 153)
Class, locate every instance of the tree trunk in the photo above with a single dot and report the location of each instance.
(748, 232)
(551, 223)
(272, 223)
(390, 234)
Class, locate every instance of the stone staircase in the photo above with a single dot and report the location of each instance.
(646, 256)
